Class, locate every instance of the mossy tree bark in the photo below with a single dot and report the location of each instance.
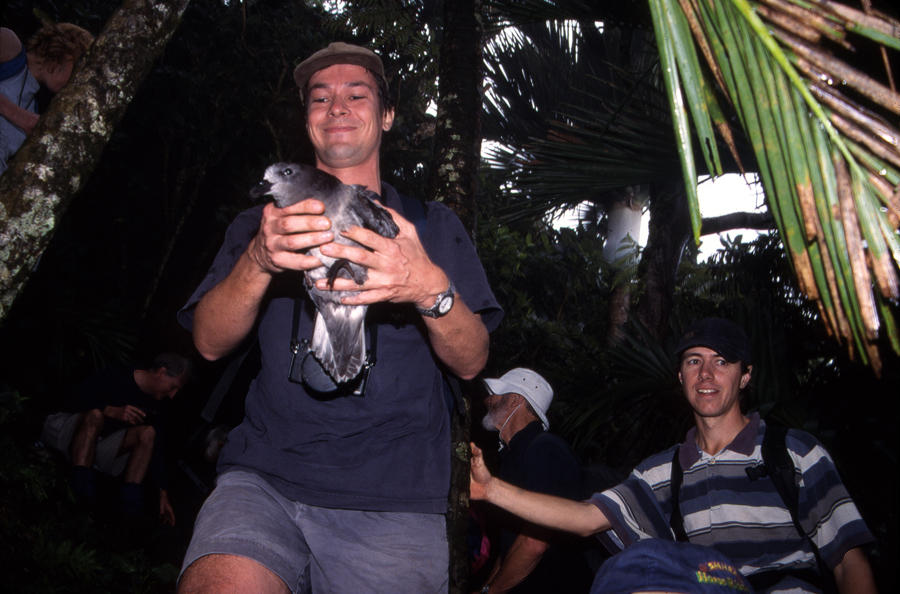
(454, 182)
(57, 159)
(457, 139)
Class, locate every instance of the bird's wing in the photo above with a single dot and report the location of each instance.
(372, 216)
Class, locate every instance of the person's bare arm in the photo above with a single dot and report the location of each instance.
(21, 118)
(400, 271)
(460, 339)
(523, 556)
(854, 574)
(10, 47)
(579, 517)
(166, 513)
(127, 413)
(226, 314)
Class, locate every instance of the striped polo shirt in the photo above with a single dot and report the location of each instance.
(743, 518)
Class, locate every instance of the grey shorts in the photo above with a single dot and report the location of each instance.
(59, 429)
(317, 549)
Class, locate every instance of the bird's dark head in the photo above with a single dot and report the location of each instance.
(284, 183)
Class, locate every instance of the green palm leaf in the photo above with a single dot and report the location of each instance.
(829, 166)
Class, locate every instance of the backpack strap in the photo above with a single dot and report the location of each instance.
(778, 463)
(780, 467)
(676, 521)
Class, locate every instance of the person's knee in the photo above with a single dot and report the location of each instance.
(81, 445)
(145, 436)
(229, 573)
(91, 422)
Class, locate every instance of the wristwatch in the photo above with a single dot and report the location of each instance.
(485, 589)
(442, 304)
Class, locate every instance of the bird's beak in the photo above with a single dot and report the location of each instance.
(261, 189)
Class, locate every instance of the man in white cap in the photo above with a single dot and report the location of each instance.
(530, 558)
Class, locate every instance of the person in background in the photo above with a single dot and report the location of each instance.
(729, 498)
(116, 423)
(47, 59)
(532, 558)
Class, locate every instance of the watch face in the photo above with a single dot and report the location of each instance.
(446, 304)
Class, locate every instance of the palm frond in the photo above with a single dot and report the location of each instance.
(590, 120)
(828, 162)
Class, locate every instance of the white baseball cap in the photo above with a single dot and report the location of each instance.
(530, 385)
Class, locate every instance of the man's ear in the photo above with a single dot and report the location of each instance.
(387, 120)
(745, 377)
(680, 378)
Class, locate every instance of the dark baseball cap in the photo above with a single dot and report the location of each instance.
(721, 335)
(337, 52)
(665, 566)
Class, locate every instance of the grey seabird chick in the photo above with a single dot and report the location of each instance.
(339, 340)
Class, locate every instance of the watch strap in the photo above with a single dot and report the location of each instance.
(435, 310)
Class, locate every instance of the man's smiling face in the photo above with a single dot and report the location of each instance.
(711, 384)
(344, 118)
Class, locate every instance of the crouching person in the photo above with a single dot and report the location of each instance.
(116, 424)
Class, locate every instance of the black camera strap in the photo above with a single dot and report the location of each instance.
(300, 347)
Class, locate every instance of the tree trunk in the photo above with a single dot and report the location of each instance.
(454, 181)
(57, 159)
(620, 252)
(669, 233)
(457, 138)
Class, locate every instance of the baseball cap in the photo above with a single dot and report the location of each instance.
(530, 385)
(657, 565)
(337, 52)
(721, 335)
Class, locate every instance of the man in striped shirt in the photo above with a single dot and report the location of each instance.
(722, 505)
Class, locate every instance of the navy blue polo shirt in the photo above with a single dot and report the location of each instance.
(388, 450)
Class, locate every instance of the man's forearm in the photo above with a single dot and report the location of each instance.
(226, 314)
(523, 556)
(579, 517)
(460, 340)
(21, 118)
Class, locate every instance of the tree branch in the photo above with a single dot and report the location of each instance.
(738, 220)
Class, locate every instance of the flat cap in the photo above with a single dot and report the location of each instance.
(337, 52)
